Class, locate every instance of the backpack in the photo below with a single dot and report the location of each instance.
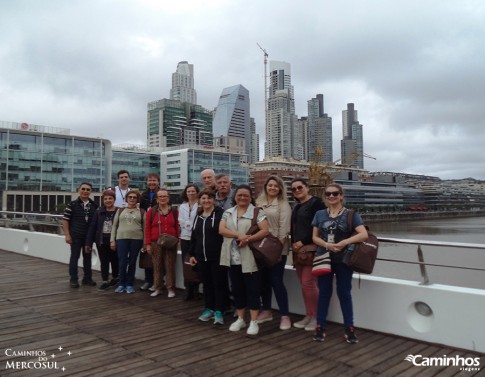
(361, 257)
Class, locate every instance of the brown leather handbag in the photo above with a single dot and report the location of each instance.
(304, 255)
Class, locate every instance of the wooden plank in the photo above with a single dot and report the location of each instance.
(119, 335)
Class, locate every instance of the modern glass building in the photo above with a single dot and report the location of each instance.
(41, 161)
(232, 115)
(182, 165)
(138, 160)
(39, 165)
(171, 123)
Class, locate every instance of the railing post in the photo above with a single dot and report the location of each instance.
(29, 223)
(422, 267)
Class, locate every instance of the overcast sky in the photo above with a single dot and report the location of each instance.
(415, 69)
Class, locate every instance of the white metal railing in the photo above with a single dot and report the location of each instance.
(52, 223)
(421, 262)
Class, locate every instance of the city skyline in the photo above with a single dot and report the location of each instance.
(418, 90)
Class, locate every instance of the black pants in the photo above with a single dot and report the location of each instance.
(246, 288)
(214, 278)
(108, 257)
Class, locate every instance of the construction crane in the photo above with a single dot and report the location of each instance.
(266, 55)
(354, 156)
(321, 175)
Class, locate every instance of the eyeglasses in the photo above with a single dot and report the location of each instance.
(132, 197)
(332, 193)
(85, 189)
(297, 188)
(162, 196)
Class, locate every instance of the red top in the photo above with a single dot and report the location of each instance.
(168, 225)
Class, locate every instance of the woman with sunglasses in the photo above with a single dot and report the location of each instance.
(301, 235)
(127, 239)
(331, 234)
(163, 218)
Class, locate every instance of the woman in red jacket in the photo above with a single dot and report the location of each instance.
(162, 219)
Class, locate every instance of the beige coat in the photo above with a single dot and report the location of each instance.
(278, 214)
(241, 225)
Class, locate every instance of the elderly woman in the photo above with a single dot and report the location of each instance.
(236, 254)
(278, 212)
(332, 234)
(100, 233)
(162, 219)
(127, 239)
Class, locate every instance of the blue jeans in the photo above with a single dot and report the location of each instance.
(127, 255)
(77, 248)
(343, 276)
(273, 278)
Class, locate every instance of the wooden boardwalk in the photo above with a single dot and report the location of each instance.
(110, 334)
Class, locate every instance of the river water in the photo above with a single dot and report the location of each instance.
(465, 230)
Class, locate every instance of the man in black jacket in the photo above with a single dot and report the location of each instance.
(77, 217)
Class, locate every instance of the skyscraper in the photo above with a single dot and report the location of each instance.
(281, 130)
(319, 129)
(232, 116)
(179, 120)
(352, 144)
(183, 84)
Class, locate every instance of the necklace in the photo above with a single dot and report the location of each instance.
(269, 204)
(164, 213)
(335, 214)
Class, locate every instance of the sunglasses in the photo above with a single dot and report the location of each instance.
(332, 193)
(297, 188)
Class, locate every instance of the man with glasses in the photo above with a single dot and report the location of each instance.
(75, 222)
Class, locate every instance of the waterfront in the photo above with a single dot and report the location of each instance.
(467, 230)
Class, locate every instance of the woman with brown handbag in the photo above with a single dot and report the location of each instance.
(236, 254)
(274, 201)
(161, 225)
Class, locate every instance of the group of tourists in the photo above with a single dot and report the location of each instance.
(211, 226)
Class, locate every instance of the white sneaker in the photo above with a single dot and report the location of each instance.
(253, 328)
(303, 323)
(312, 325)
(152, 289)
(155, 293)
(171, 294)
(238, 325)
